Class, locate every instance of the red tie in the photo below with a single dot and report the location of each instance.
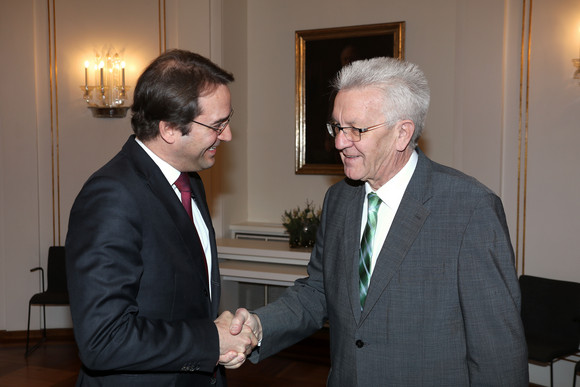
(182, 184)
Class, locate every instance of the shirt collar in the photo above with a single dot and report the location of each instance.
(170, 173)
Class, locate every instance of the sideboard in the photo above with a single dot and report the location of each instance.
(254, 272)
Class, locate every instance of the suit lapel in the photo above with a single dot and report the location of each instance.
(352, 243)
(406, 225)
(158, 184)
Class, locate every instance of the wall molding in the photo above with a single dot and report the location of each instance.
(524, 93)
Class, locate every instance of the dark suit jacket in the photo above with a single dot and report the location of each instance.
(443, 307)
(139, 294)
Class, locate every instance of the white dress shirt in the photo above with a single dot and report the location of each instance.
(391, 194)
(171, 174)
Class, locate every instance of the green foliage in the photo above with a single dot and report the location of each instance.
(302, 225)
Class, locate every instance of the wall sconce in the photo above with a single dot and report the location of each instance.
(107, 97)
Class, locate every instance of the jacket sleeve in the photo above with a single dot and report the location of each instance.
(490, 300)
(300, 311)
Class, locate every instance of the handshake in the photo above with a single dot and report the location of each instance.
(238, 336)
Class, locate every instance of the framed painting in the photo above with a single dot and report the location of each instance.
(320, 54)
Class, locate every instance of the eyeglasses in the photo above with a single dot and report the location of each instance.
(352, 133)
(220, 128)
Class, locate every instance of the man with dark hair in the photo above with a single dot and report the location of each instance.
(142, 261)
(413, 266)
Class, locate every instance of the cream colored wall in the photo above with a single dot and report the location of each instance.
(19, 169)
(234, 182)
(549, 215)
(553, 212)
(49, 142)
(439, 37)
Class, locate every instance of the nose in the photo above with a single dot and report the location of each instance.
(226, 134)
(340, 141)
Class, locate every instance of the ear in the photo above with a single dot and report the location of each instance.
(168, 132)
(405, 128)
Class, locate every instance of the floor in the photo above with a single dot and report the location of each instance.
(55, 364)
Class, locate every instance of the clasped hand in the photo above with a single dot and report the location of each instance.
(238, 336)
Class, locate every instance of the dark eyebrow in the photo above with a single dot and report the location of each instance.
(222, 120)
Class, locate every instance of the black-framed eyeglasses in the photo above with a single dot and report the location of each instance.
(352, 133)
(220, 128)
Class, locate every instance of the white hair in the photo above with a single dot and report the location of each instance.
(404, 86)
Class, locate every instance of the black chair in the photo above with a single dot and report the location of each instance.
(551, 318)
(56, 292)
(576, 372)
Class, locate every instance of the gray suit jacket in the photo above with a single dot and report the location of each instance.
(443, 307)
(138, 286)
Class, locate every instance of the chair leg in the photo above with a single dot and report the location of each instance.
(552, 373)
(44, 322)
(576, 371)
(27, 333)
(42, 339)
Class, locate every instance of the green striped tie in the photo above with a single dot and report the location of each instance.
(366, 247)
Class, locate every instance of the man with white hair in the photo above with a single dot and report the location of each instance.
(413, 266)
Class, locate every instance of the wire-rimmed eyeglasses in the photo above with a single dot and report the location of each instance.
(352, 133)
(222, 125)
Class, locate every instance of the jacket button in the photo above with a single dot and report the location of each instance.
(360, 343)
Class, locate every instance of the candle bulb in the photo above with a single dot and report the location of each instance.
(123, 74)
(101, 68)
(86, 73)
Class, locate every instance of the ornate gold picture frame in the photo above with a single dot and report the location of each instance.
(320, 54)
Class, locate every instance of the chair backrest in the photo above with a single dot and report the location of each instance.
(551, 309)
(56, 270)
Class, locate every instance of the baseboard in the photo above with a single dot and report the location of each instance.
(20, 336)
